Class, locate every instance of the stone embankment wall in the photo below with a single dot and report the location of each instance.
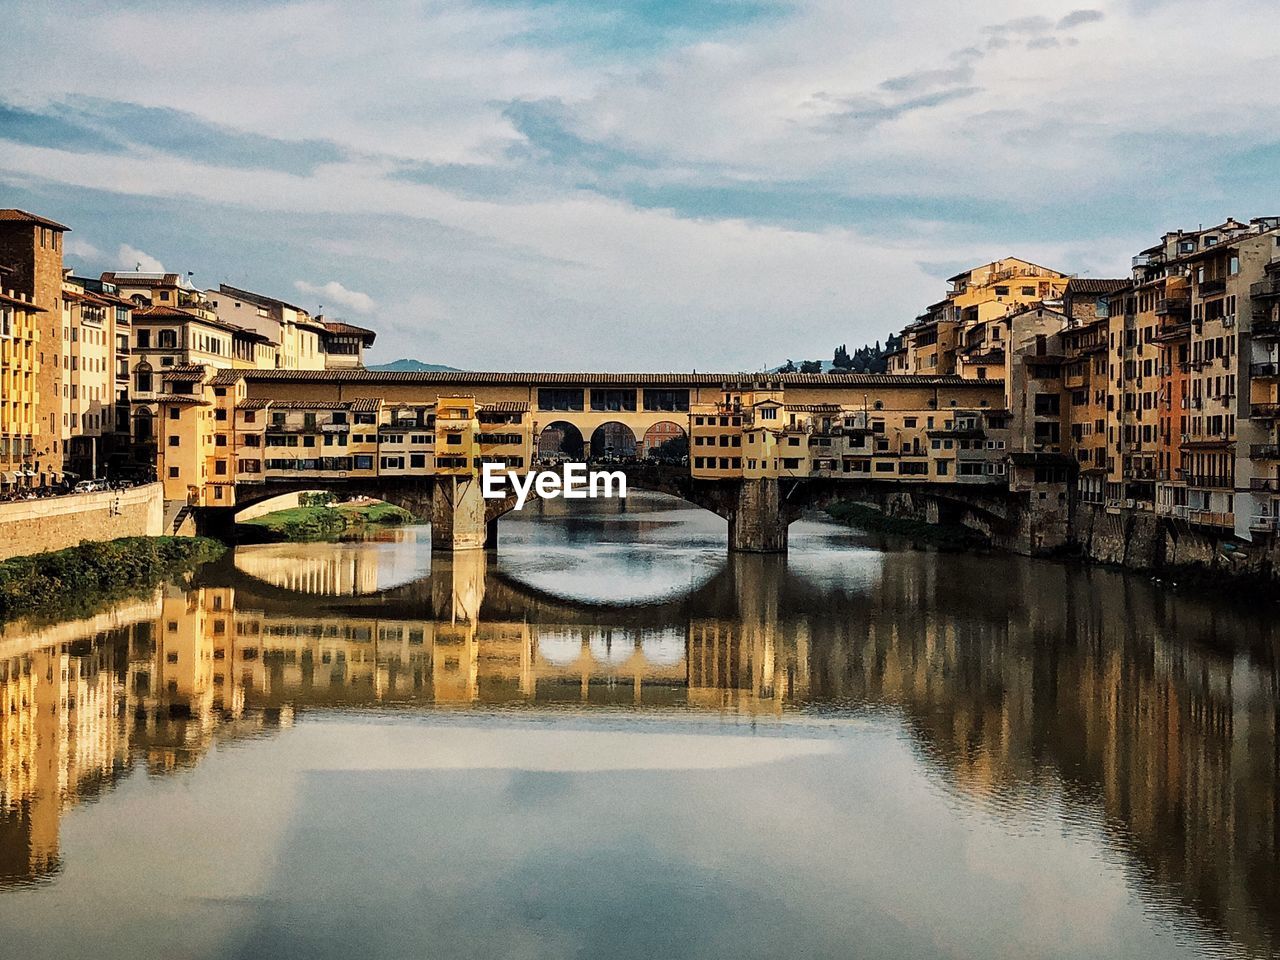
(37, 526)
(1142, 541)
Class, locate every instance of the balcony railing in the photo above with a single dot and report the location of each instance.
(1261, 370)
(1264, 524)
(1168, 305)
(1211, 288)
(1265, 326)
(1265, 288)
(1202, 480)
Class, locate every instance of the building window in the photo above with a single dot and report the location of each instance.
(672, 400)
(551, 398)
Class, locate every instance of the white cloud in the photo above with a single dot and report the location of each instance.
(333, 293)
(832, 99)
(131, 258)
(80, 249)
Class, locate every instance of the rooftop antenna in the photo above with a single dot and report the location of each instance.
(137, 267)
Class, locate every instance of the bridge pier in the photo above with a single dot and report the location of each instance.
(757, 519)
(458, 515)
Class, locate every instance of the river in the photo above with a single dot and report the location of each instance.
(612, 739)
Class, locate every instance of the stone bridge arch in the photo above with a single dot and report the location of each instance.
(411, 493)
(612, 441)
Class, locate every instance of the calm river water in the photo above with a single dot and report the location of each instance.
(611, 739)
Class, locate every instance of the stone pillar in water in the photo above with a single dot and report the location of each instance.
(457, 514)
(757, 522)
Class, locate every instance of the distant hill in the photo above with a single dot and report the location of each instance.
(415, 366)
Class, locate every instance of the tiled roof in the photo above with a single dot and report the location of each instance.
(310, 405)
(9, 214)
(814, 407)
(1094, 285)
(493, 378)
(253, 403)
(506, 406)
(227, 378)
(185, 373)
(134, 278)
(178, 398)
(349, 329)
(366, 405)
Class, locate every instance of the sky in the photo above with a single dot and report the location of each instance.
(642, 185)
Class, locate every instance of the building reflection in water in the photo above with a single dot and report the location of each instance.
(1047, 684)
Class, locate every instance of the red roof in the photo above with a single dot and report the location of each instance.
(21, 216)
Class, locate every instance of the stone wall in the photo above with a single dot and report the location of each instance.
(1141, 541)
(37, 526)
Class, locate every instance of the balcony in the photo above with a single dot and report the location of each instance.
(1211, 288)
(1264, 411)
(1264, 485)
(1171, 332)
(1264, 370)
(1264, 451)
(1264, 524)
(1212, 482)
(1265, 327)
(1208, 517)
(1168, 305)
(1265, 288)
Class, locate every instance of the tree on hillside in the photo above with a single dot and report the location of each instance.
(865, 359)
(810, 366)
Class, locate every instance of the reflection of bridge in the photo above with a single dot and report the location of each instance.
(1049, 676)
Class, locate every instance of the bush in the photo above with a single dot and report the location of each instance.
(84, 576)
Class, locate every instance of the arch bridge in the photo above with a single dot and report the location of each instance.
(755, 449)
(758, 512)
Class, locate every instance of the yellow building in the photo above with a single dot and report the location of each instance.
(892, 434)
(457, 436)
(962, 334)
(31, 250)
(20, 422)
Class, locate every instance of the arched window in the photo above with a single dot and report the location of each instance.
(142, 378)
(143, 429)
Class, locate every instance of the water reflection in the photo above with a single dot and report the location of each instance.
(1048, 697)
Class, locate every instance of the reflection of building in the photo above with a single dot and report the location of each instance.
(60, 733)
(1047, 677)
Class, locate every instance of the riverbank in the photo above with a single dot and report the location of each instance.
(77, 580)
(321, 521)
(943, 536)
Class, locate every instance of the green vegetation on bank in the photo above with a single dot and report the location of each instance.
(318, 517)
(947, 536)
(79, 579)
